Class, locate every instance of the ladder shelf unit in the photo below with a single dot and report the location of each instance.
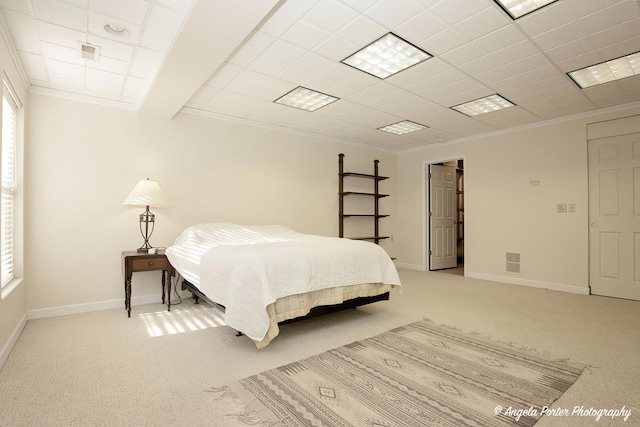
(376, 195)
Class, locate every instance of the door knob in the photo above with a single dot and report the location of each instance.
(594, 224)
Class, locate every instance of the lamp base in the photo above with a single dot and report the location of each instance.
(143, 250)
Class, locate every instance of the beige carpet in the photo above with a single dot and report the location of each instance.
(420, 374)
(159, 369)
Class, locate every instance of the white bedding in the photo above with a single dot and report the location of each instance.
(246, 268)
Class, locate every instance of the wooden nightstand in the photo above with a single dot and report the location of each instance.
(134, 262)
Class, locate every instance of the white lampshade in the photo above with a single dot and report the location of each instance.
(146, 193)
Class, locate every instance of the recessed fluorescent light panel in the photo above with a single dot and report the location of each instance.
(606, 72)
(403, 127)
(519, 8)
(488, 104)
(306, 99)
(386, 56)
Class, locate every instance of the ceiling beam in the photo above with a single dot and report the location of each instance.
(209, 35)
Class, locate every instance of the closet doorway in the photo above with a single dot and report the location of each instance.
(445, 214)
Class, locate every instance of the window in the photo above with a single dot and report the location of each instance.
(9, 185)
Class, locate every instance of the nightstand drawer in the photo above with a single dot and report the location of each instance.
(160, 263)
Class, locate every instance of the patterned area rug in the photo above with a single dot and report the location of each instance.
(416, 375)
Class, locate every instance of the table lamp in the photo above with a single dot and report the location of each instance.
(146, 193)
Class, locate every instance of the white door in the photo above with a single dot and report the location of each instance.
(443, 207)
(614, 216)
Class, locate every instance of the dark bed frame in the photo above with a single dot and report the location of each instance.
(315, 311)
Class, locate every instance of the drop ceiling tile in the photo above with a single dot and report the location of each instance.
(362, 31)
(109, 65)
(285, 16)
(514, 53)
(529, 63)
(330, 16)
(59, 35)
(482, 23)
(466, 53)
(617, 50)
(267, 66)
(61, 13)
(561, 35)
(313, 63)
(443, 42)
(579, 61)
(133, 89)
(420, 27)
(62, 53)
(502, 38)
(144, 63)
(335, 48)
(373, 92)
(112, 49)
(178, 5)
(570, 50)
(284, 52)
(23, 6)
(131, 11)
(66, 82)
(102, 90)
(454, 11)
(105, 77)
(23, 30)
(305, 35)
(161, 28)
(549, 17)
(392, 13)
(617, 34)
(78, 3)
(480, 66)
(65, 68)
(258, 92)
(609, 17)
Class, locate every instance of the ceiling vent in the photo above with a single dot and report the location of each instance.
(89, 52)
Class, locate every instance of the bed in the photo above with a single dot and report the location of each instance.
(265, 275)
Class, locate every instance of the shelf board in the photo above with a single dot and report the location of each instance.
(364, 175)
(358, 193)
(364, 215)
(368, 238)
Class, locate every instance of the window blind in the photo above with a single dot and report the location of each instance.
(8, 172)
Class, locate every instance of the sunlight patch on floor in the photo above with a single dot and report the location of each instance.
(162, 323)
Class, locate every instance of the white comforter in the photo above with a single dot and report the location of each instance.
(246, 268)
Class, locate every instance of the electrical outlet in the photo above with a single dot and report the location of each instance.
(571, 207)
(561, 208)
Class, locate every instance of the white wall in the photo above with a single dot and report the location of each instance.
(84, 159)
(503, 212)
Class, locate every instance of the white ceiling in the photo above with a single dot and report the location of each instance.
(233, 58)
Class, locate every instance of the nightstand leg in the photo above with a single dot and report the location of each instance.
(164, 273)
(127, 295)
(168, 291)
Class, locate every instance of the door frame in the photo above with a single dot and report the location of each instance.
(425, 207)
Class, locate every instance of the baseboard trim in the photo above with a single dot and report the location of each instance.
(410, 266)
(531, 283)
(91, 306)
(11, 342)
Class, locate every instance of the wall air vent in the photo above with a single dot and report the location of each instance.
(89, 52)
(513, 262)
